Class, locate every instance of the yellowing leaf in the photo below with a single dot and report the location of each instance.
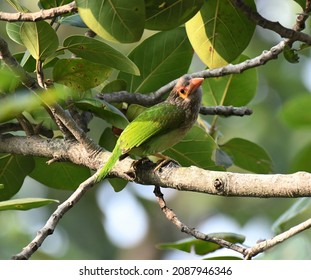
(219, 32)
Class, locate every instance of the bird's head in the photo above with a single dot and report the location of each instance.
(187, 92)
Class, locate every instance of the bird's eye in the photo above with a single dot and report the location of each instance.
(182, 91)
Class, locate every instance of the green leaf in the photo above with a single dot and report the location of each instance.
(99, 52)
(13, 29)
(9, 81)
(13, 170)
(114, 86)
(220, 32)
(15, 104)
(80, 74)
(290, 54)
(201, 247)
(195, 149)
(48, 4)
(231, 90)
(301, 161)
(115, 20)
(17, 6)
(296, 111)
(248, 155)
(302, 3)
(59, 175)
(25, 203)
(161, 58)
(73, 20)
(103, 110)
(165, 15)
(39, 38)
(284, 221)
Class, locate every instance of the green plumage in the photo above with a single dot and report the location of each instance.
(159, 127)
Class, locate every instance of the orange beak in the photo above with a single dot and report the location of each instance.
(195, 83)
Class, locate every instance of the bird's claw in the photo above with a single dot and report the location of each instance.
(165, 162)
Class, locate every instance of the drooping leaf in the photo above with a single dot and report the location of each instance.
(103, 110)
(59, 175)
(114, 20)
(170, 14)
(161, 58)
(25, 203)
(296, 111)
(195, 149)
(220, 32)
(80, 74)
(13, 170)
(284, 221)
(99, 52)
(248, 155)
(201, 247)
(39, 38)
(231, 90)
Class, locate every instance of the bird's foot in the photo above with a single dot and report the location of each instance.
(165, 161)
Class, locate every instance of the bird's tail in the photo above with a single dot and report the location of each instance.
(103, 172)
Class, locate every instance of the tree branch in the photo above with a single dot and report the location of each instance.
(41, 15)
(292, 34)
(152, 98)
(180, 178)
(52, 222)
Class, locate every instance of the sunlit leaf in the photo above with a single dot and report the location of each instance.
(114, 20)
(99, 52)
(13, 170)
(164, 15)
(25, 203)
(161, 58)
(220, 32)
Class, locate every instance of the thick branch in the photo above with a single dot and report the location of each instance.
(41, 15)
(180, 178)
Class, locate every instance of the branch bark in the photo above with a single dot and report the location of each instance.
(180, 178)
(41, 15)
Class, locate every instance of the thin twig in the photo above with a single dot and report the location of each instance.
(171, 216)
(267, 244)
(52, 222)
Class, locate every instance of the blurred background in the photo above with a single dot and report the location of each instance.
(130, 224)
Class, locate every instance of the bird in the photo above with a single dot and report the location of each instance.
(159, 127)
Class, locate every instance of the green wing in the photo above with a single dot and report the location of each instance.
(156, 120)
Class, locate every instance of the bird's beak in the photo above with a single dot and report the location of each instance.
(195, 83)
